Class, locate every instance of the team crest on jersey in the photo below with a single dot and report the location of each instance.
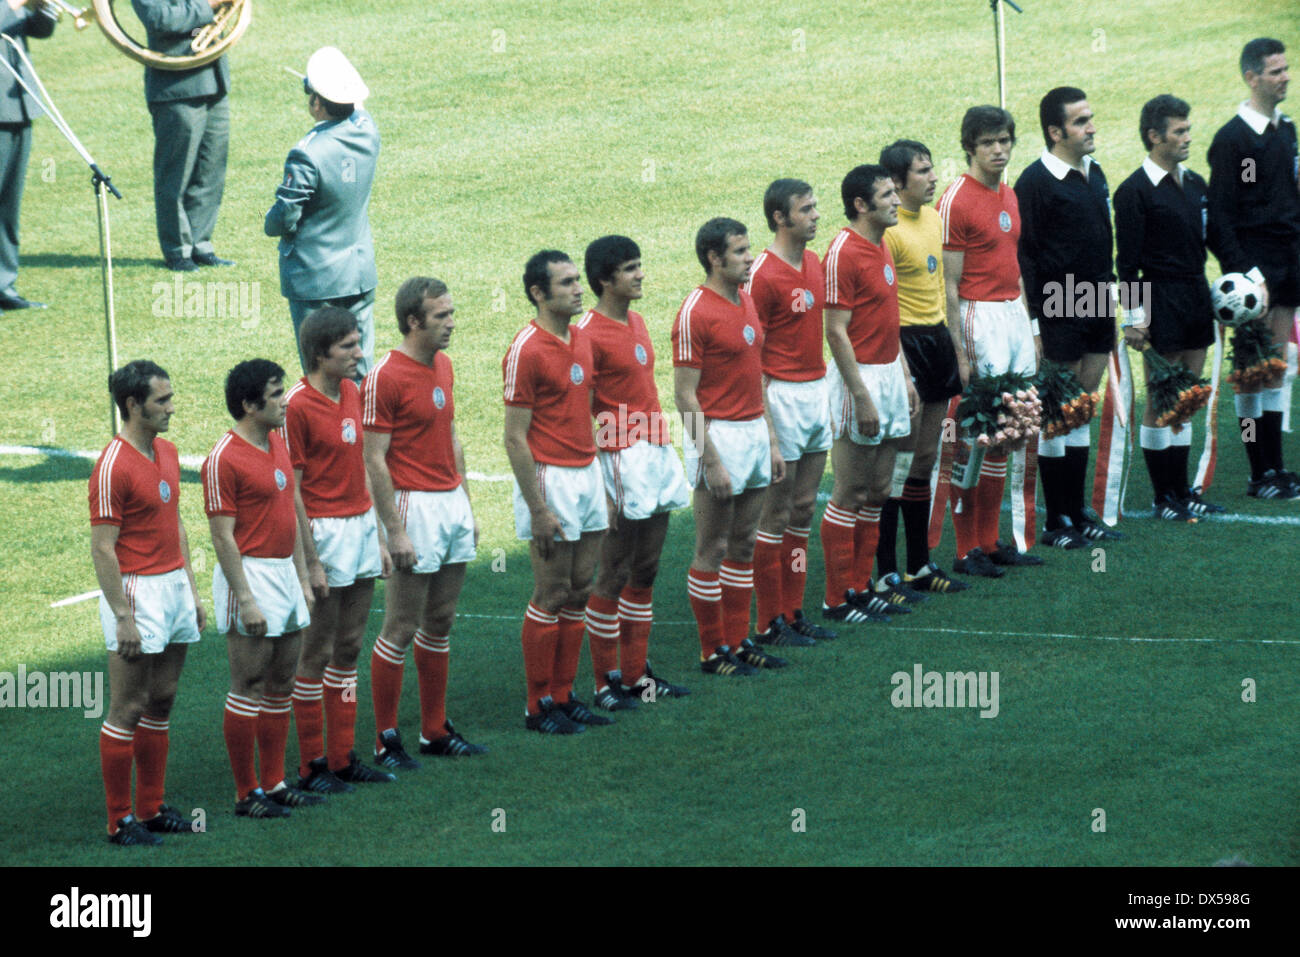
(931, 263)
(349, 431)
(889, 274)
(164, 491)
(439, 397)
(640, 354)
(1004, 221)
(280, 480)
(575, 374)
(748, 332)
(808, 300)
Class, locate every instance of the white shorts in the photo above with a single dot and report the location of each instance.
(644, 479)
(888, 388)
(745, 449)
(348, 548)
(801, 415)
(440, 526)
(576, 496)
(997, 337)
(276, 589)
(163, 609)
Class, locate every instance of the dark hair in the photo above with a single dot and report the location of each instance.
(980, 120)
(322, 330)
(604, 256)
(335, 111)
(714, 236)
(1254, 53)
(247, 382)
(411, 296)
(1156, 114)
(861, 182)
(1051, 108)
(133, 381)
(897, 157)
(537, 271)
(778, 196)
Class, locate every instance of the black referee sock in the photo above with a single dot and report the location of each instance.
(1254, 428)
(1075, 477)
(887, 544)
(1270, 436)
(915, 506)
(1155, 459)
(1049, 470)
(1176, 457)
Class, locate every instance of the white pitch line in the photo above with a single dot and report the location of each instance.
(84, 596)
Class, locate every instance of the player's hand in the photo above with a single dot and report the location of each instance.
(200, 613)
(778, 466)
(385, 562)
(718, 481)
(868, 417)
(308, 594)
(401, 549)
(963, 369)
(545, 527)
(128, 639)
(1135, 337)
(913, 400)
(252, 617)
(318, 582)
(611, 510)
(1038, 350)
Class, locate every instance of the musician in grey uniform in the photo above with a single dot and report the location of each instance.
(16, 112)
(191, 128)
(327, 256)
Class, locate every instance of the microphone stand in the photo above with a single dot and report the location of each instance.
(102, 184)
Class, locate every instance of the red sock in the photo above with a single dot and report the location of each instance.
(993, 477)
(567, 651)
(432, 656)
(794, 569)
(737, 579)
(769, 553)
(115, 756)
(340, 693)
(964, 518)
(386, 664)
(705, 593)
(150, 765)
(635, 614)
(272, 736)
(309, 718)
(603, 633)
(541, 633)
(866, 536)
(837, 546)
(240, 729)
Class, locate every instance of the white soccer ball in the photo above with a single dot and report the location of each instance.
(1236, 298)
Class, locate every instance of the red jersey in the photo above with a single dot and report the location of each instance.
(255, 487)
(626, 400)
(860, 277)
(324, 442)
(414, 404)
(725, 342)
(139, 497)
(552, 377)
(985, 225)
(789, 302)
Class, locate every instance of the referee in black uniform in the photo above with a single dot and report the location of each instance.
(1255, 198)
(1067, 267)
(1161, 226)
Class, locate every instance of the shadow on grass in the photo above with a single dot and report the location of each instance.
(61, 466)
(72, 261)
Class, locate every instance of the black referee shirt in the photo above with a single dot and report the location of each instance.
(1065, 234)
(1253, 191)
(1160, 230)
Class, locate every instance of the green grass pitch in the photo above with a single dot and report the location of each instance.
(508, 127)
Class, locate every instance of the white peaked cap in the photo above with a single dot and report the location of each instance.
(331, 75)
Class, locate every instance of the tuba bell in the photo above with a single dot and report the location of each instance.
(230, 20)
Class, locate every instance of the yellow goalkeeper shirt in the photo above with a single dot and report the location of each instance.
(916, 244)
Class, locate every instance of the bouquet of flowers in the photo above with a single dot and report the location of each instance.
(1000, 412)
(1065, 405)
(1255, 360)
(1174, 392)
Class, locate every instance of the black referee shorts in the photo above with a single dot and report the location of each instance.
(1181, 315)
(1280, 264)
(1066, 340)
(933, 361)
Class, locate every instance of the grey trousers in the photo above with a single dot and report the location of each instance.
(361, 305)
(189, 171)
(15, 147)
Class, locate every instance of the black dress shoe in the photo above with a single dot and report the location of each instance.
(181, 265)
(211, 259)
(9, 299)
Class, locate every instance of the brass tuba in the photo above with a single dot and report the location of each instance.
(230, 20)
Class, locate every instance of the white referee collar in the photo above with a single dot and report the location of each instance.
(1156, 174)
(1257, 121)
(1060, 168)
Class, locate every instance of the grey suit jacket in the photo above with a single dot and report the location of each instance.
(320, 211)
(15, 105)
(169, 26)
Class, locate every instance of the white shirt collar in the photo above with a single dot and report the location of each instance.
(1059, 167)
(1256, 120)
(1156, 174)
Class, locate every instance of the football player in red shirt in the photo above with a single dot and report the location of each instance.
(149, 608)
